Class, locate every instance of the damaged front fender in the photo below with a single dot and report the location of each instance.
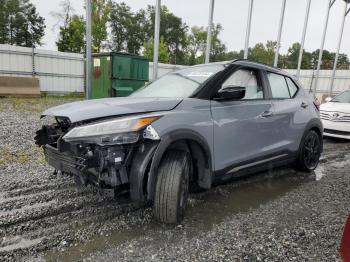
(140, 171)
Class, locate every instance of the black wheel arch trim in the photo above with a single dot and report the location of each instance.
(139, 168)
(166, 141)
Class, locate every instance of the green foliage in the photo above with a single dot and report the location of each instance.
(130, 30)
(293, 57)
(263, 53)
(100, 16)
(328, 60)
(197, 45)
(71, 37)
(20, 24)
(127, 28)
(172, 29)
(163, 53)
(72, 32)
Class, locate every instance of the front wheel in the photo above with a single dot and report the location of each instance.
(309, 152)
(172, 187)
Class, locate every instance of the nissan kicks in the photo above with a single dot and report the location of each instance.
(187, 130)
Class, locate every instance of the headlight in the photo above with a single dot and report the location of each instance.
(118, 131)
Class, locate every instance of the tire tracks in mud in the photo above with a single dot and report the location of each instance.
(40, 215)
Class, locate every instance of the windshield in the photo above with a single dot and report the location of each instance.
(342, 98)
(181, 83)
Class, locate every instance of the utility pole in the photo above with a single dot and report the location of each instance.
(210, 26)
(346, 11)
(156, 40)
(279, 33)
(249, 23)
(88, 49)
(319, 62)
(306, 20)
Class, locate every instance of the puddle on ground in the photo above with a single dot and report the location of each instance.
(18, 243)
(319, 172)
(205, 211)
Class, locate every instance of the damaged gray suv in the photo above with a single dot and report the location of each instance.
(188, 130)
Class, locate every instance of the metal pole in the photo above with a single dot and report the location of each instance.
(249, 23)
(303, 37)
(338, 49)
(210, 25)
(33, 60)
(280, 33)
(156, 39)
(88, 49)
(331, 2)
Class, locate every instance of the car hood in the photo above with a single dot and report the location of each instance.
(336, 107)
(99, 108)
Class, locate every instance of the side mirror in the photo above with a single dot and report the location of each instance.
(231, 93)
(328, 99)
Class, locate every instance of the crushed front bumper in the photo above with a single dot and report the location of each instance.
(65, 162)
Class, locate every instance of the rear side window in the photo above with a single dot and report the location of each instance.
(278, 86)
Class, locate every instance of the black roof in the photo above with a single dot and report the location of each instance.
(257, 65)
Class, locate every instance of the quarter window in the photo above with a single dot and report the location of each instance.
(279, 87)
(245, 78)
(293, 89)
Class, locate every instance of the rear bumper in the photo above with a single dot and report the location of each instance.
(64, 162)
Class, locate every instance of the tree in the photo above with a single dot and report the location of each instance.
(234, 55)
(218, 49)
(71, 37)
(343, 62)
(172, 29)
(20, 23)
(100, 17)
(292, 57)
(263, 53)
(197, 45)
(63, 17)
(163, 52)
(4, 17)
(127, 29)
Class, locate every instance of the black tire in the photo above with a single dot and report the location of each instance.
(309, 152)
(172, 185)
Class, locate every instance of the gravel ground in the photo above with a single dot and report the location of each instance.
(273, 216)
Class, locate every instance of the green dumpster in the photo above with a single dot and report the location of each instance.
(118, 74)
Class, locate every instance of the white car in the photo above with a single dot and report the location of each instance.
(335, 116)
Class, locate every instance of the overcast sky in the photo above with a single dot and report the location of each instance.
(233, 15)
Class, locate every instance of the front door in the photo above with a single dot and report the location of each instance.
(242, 128)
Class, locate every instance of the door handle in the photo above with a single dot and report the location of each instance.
(304, 105)
(267, 113)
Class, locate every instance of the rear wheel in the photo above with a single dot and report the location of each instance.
(171, 191)
(309, 152)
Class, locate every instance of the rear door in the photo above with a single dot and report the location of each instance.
(242, 128)
(290, 111)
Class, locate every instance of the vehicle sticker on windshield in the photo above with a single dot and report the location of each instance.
(200, 74)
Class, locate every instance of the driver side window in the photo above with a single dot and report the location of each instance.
(245, 78)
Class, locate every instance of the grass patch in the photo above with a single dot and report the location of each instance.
(35, 104)
(8, 156)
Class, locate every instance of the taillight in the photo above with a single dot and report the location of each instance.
(317, 104)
